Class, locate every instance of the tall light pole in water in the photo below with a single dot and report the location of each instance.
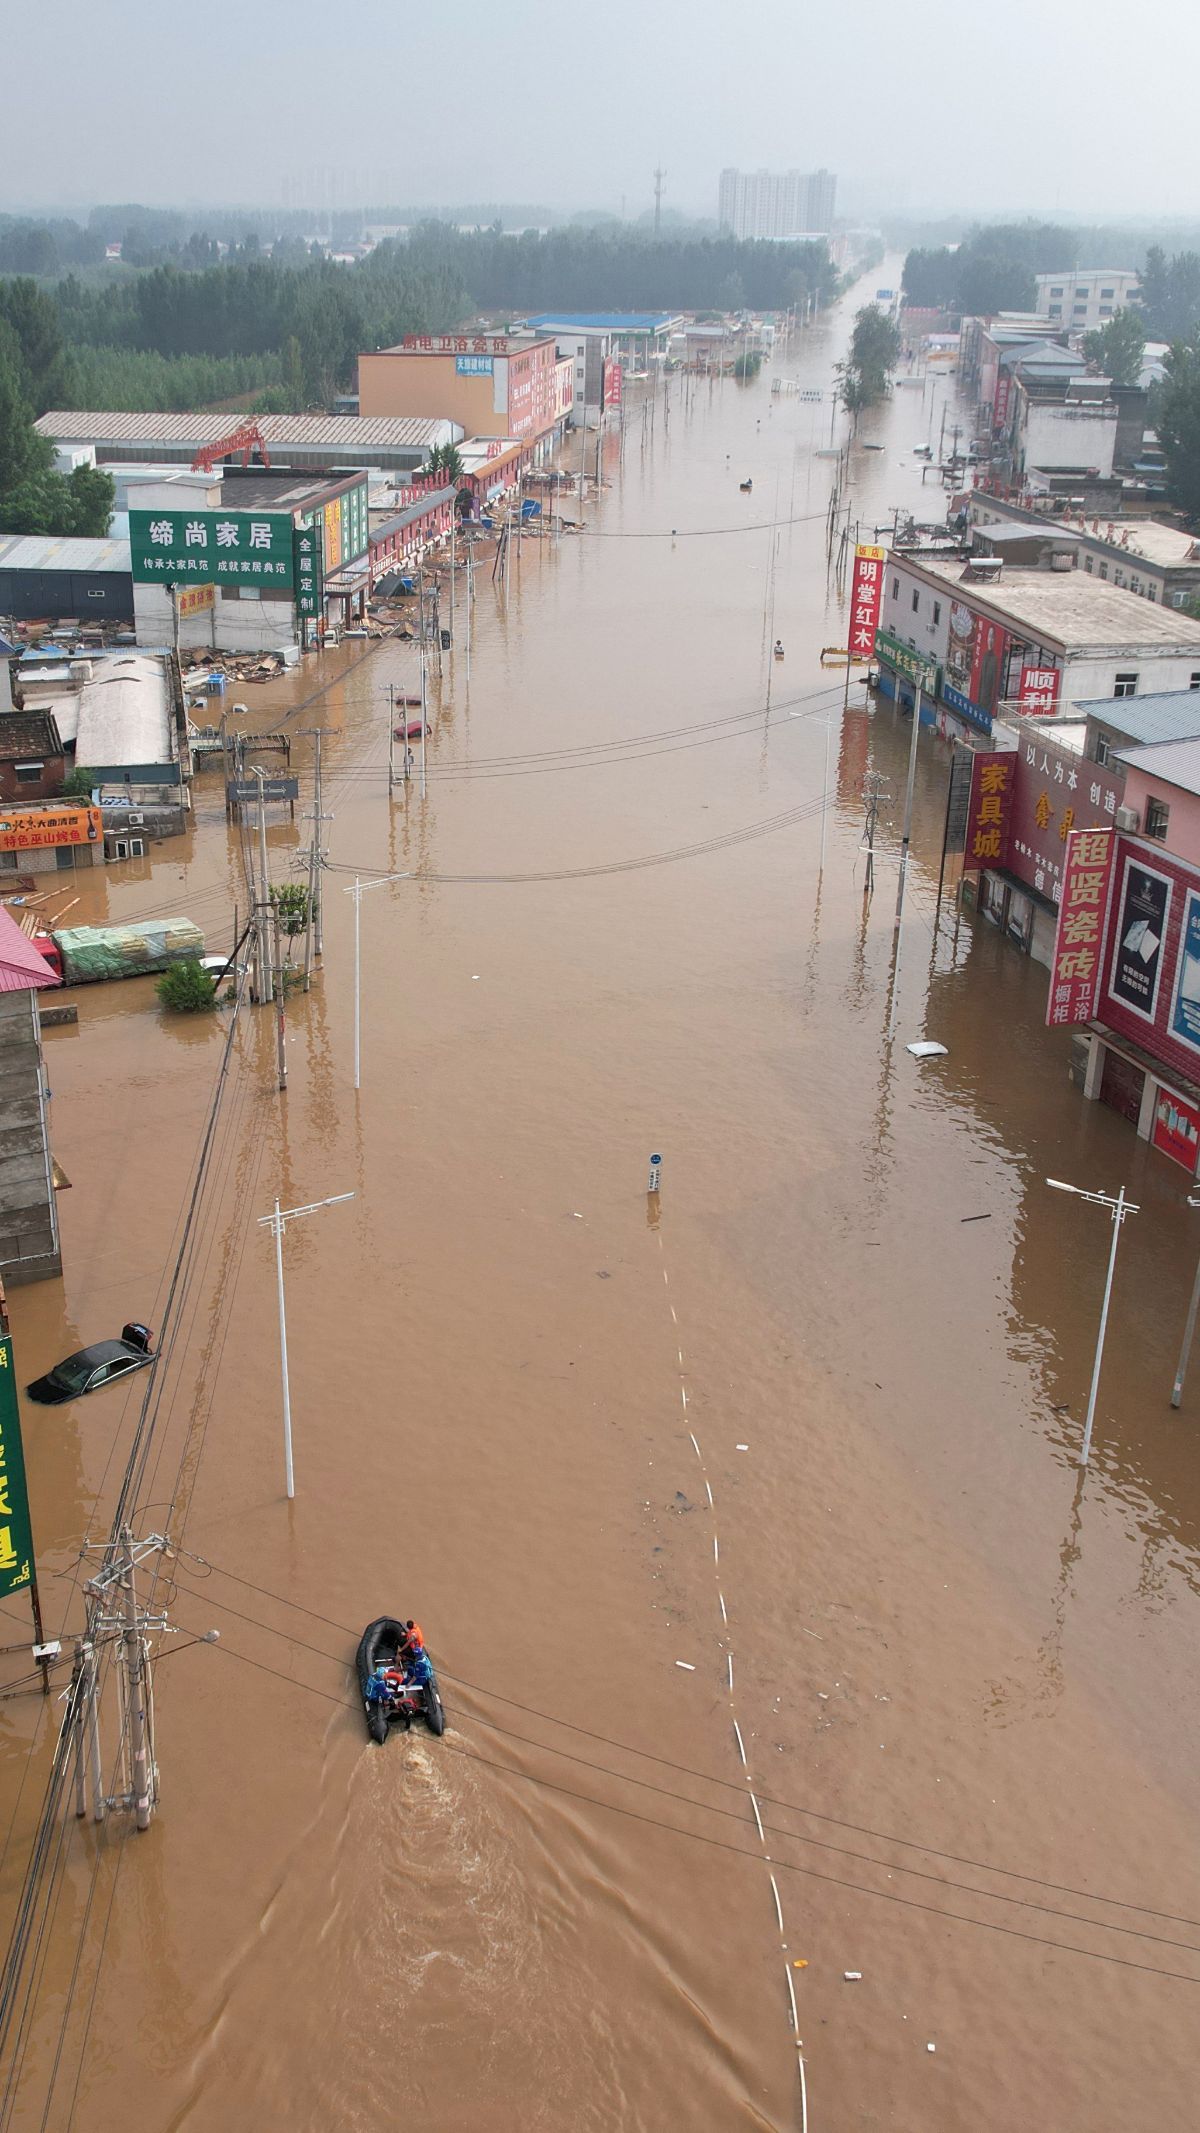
(358, 890)
(1189, 1328)
(1118, 1209)
(277, 1223)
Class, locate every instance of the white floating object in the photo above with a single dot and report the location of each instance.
(687, 1666)
(927, 1049)
(931, 2047)
(474, 977)
(743, 1447)
(854, 1977)
(576, 1216)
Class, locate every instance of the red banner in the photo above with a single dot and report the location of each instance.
(1177, 1129)
(613, 384)
(989, 812)
(865, 595)
(1056, 792)
(1000, 404)
(1082, 917)
(1039, 690)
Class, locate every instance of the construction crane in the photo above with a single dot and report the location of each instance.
(244, 440)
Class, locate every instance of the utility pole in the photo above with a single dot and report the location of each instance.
(1189, 1328)
(659, 175)
(906, 834)
(872, 794)
(391, 738)
(142, 1776)
(277, 1223)
(470, 608)
(1118, 1209)
(266, 991)
(424, 716)
(358, 890)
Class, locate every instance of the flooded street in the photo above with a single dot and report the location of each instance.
(770, 1490)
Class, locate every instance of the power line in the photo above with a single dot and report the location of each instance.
(789, 1866)
(684, 1769)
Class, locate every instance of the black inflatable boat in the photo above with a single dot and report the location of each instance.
(397, 1684)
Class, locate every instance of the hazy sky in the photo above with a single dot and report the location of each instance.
(1081, 106)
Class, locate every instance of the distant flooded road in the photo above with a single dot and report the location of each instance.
(780, 1636)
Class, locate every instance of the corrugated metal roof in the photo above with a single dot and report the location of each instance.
(124, 714)
(432, 500)
(1175, 762)
(604, 321)
(70, 426)
(1165, 715)
(47, 551)
(22, 969)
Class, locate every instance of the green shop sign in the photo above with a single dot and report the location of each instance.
(310, 571)
(212, 548)
(16, 1532)
(905, 661)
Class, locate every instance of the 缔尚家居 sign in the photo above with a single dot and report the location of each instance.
(212, 548)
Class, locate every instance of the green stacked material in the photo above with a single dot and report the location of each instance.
(90, 953)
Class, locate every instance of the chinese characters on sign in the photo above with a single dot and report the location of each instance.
(1185, 1008)
(1039, 691)
(35, 828)
(194, 598)
(1140, 935)
(1079, 938)
(1056, 792)
(455, 344)
(16, 1532)
(310, 573)
(473, 366)
(614, 381)
(988, 815)
(865, 594)
(211, 546)
(1177, 1129)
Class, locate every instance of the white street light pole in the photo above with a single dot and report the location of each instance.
(358, 891)
(825, 794)
(1118, 1209)
(277, 1223)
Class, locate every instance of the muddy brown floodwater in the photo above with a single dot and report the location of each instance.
(789, 1459)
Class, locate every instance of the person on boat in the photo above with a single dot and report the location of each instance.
(418, 1670)
(413, 1640)
(779, 648)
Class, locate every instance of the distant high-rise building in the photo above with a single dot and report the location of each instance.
(778, 204)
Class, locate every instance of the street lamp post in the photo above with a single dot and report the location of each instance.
(1118, 1209)
(277, 1223)
(358, 891)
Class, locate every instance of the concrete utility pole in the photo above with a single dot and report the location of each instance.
(277, 1223)
(873, 789)
(391, 738)
(906, 833)
(314, 862)
(142, 1779)
(117, 1582)
(1189, 1328)
(659, 175)
(266, 989)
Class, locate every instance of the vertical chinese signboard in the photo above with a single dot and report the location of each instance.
(16, 1532)
(865, 593)
(310, 573)
(613, 383)
(990, 809)
(1080, 934)
(1039, 691)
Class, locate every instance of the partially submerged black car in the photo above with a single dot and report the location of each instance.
(89, 1368)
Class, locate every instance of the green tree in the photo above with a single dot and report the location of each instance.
(1117, 349)
(446, 460)
(34, 496)
(1177, 420)
(874, 354)
(187, 988)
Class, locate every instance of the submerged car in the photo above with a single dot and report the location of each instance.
(89, 1368)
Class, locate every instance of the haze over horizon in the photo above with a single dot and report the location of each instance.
(251, 105)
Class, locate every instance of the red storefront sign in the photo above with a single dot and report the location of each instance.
(1079, 940)
(1039, 690)
(1177, 1129)
(866, 592)
(1056, 792)
(613, 384)
(1003, 392)
(989, 810)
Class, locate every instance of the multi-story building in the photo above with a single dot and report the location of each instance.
(1086, 297)
(776, 204)
(491, 384)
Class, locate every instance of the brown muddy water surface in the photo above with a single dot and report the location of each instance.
(962, 1677)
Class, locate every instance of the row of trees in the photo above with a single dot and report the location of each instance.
(34, 496)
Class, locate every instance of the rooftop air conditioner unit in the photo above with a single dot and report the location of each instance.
(81, 669)
(1128, 818)
(136, 816)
